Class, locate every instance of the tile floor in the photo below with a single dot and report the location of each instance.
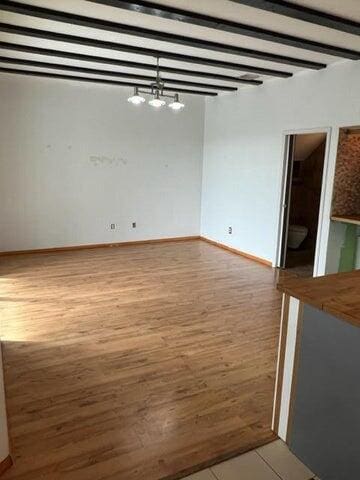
(270, 462)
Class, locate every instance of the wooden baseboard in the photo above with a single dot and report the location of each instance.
(263, 261)
(101, 245)
(5, 464)
(140, 242)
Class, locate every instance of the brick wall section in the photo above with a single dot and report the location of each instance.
(346, 199)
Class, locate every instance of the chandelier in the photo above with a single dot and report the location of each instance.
(157, 93)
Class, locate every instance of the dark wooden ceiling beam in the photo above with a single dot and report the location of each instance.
(91, 42)
(193, 18)
(100, 80)
(49, 52)
(305, 14)
(109, 26)
(109, 73)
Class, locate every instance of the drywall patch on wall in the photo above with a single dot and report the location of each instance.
(101, 160)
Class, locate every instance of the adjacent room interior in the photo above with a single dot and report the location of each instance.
(302, 198)
(172, 174)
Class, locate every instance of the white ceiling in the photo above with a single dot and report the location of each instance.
(223, 9)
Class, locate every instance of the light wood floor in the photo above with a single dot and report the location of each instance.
(137, 362)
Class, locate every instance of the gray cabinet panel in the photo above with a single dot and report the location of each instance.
(325, 433)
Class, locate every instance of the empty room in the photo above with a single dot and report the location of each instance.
(179, 239)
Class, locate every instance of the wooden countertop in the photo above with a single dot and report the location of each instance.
(354, 219)
(338, 294)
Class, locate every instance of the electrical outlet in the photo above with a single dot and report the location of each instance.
(112, 226)
(134, 225)
(230, 230)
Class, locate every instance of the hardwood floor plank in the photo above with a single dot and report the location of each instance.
(140, 362)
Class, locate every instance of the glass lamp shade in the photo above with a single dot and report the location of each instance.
(156, 101)
(176, 105)
(136, 99)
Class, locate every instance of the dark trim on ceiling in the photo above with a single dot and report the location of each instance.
(102, 81)
(305, 14)
(109, 73)
(91, 42)
(123, 63)
(109, 26)
(193, 18)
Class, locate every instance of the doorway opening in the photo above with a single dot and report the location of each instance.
(305, 155)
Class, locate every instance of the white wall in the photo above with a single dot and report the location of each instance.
(243, 152)
(75, 157)
(4, 442)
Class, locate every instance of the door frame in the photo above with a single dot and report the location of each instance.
(285, 205)
(319, 267)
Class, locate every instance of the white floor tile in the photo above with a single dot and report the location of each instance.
(249, 466)
(283, 462)
(203, 475)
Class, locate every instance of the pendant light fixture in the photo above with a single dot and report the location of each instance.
(157, 92)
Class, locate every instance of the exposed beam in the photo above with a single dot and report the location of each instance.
(305, 14)
(33, 73)
(109, 26)
(109, 73)
(91, 42)
(229, 26)
(123, 63)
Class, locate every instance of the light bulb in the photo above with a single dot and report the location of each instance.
(176, 104)
(136, 99)
(156, 101)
